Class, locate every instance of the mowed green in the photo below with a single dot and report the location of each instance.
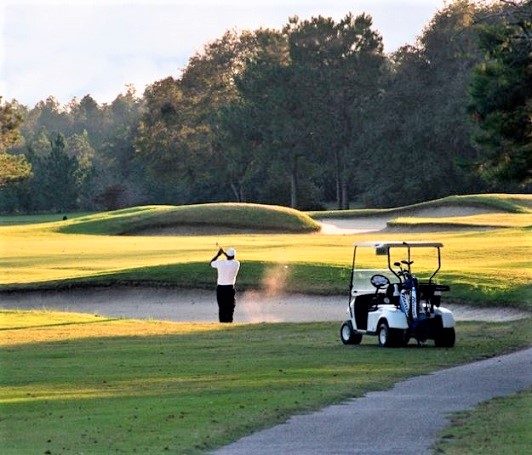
(484, 267)
(87, 384)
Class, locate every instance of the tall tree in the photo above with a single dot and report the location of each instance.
(341, 66)
(119, 177)
(60, 178)
(238, 133)
(161, 138)
(501, 94)
(270, 90)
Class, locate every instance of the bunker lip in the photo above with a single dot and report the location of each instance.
(193, 305)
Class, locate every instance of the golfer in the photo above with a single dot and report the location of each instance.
(225, 291)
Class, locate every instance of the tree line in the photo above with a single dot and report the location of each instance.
(311, 114)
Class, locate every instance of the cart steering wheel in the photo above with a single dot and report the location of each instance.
(379, 281)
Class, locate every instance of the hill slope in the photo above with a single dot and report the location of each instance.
(194, 219)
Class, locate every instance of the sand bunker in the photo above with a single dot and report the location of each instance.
(200, 306)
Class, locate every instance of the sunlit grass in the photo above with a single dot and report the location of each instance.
(486, 220)
(497, 260)
(146, 388)
(23, 327)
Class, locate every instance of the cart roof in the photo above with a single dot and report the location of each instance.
(398, 244)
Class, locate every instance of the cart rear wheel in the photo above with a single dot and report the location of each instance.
(445, 338)
(348, 335)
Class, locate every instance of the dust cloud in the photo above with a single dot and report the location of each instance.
(256, 304)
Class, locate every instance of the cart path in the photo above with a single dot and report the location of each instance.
(200, 306)
(403, 420)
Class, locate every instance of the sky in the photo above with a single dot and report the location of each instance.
(71, 48)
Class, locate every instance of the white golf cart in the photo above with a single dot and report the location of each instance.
(393, 303)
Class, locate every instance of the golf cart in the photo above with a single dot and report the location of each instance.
(393, 303)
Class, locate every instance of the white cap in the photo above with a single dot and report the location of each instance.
(231, 252)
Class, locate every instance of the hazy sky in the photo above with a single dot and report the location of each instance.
(70, 48)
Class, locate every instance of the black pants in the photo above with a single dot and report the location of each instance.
(226, 302)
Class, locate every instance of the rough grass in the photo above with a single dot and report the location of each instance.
(498, 426)
(93, 385)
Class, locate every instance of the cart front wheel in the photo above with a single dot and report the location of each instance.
(383, 333)
(348, 335)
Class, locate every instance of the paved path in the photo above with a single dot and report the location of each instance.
(400, 421)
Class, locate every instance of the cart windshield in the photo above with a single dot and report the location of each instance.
(385, 258)
(362, 279)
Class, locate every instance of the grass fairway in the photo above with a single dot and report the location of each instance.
(483, 267)
(89, 384)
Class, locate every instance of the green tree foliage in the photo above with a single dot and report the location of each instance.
(117, 170)
(341, 65)
(60, 179)
(100, 138)
(178, 136)
(161, 139)
(237, 124)
(13, 168)
(501, 94)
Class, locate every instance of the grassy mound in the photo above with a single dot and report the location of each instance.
(252, 217)
(510, 203)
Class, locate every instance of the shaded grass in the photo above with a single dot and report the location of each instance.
(294, 278)
(498, 426)
(17, 220)
(193, 391)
